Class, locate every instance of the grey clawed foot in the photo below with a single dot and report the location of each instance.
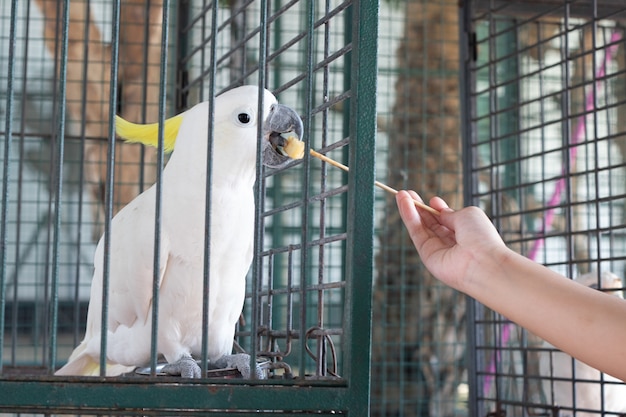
(186, 367)
(240, 361)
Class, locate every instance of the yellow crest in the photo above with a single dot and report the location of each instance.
(148, 134)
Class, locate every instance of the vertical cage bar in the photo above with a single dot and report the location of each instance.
(304, 253)
(5, 173)
(20, 198)
(259, 190)
(277, 232)
(182, 48)
(58, 187)
(567, 139)
(467, 57)
(156, 266)
(144, 92)
(81, 176)
(208, 194)
(321, 340)
(109, 192)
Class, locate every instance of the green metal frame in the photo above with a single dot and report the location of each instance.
(349, 395)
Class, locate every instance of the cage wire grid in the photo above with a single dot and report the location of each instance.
(419, 333)
(544, 106)
(307, 298)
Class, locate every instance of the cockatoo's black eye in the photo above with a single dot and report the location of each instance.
(244, 118)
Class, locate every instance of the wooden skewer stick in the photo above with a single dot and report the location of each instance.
(376, 183)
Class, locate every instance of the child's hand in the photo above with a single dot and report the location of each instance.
(451, 244)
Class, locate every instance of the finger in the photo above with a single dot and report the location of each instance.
(438, 203)
(407, 208)
(418, 204)
(416, 222)
(444, 210)
(409, 214)
(428, 219)
(442, 226)
(415, 196)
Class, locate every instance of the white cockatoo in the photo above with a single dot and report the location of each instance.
(182, 238)
(572, 384)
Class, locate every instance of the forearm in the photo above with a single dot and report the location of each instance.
(583, 322)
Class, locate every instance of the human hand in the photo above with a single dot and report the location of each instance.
(453, 244)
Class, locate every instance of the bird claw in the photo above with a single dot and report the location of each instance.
(240, 361)
(186, 367)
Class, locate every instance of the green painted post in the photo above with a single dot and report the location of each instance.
(359, 257)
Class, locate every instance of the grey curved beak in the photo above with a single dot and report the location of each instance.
(282, 121)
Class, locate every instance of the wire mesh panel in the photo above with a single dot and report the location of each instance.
(545, 140)
(418, 366)
(72, 66)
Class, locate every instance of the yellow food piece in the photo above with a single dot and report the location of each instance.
(294, 148)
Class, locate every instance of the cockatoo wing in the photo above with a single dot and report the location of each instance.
(130, 292)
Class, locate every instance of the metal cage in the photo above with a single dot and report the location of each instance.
(71, 66)
(545, 126)
(537, 96)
